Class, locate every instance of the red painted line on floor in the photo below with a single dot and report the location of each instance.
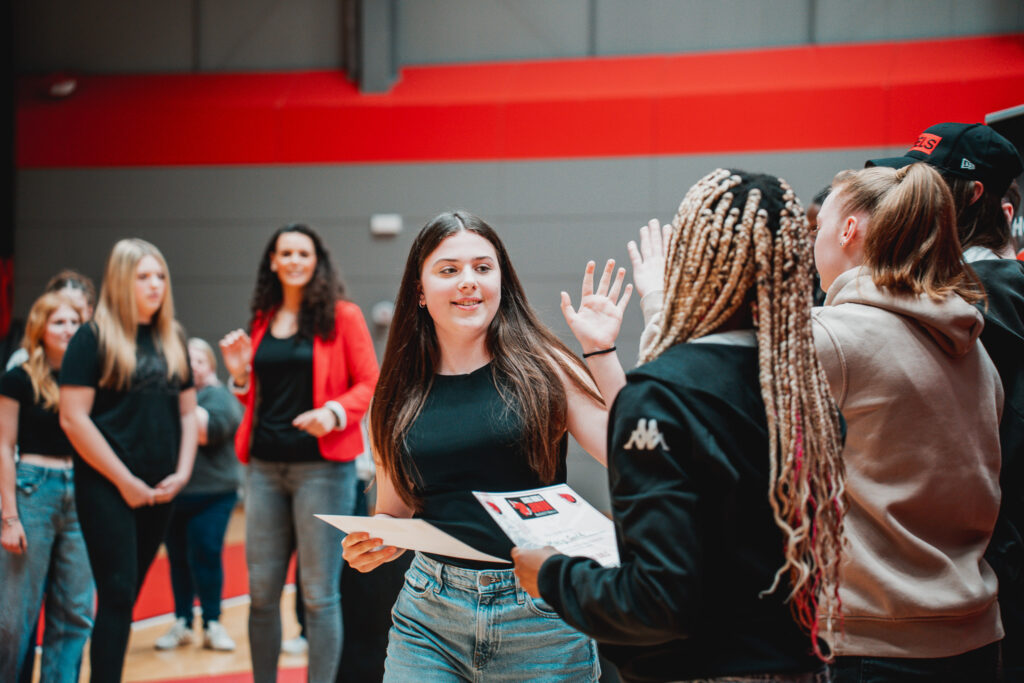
(156, 597)
(293, 675)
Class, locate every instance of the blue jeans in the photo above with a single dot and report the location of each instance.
(56, 553)
(195, 541)
(454, 624)
(281, 499)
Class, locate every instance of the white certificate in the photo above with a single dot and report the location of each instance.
(413, 534)
(555, 516)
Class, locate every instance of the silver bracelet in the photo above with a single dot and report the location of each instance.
(11, 521)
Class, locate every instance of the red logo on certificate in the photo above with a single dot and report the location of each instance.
(531, 507)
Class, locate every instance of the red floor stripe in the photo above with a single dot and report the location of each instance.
(156, 597)
(294, 675)
(807, 97)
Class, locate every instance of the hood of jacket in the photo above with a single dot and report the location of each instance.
(953, 323)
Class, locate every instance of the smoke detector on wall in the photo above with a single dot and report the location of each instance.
(385, 224)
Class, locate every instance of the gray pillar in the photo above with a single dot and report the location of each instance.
(378, 50)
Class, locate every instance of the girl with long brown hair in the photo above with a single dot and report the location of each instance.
(724, 461)
(476, 394)
(898, 338)
(127, 404)
(41, 536)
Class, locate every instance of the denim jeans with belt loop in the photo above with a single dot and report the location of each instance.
(55, 554)
(456, 624)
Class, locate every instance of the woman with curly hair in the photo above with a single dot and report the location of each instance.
(41, 534)
(723, 458)
(305, 373)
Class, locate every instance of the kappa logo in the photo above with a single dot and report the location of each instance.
(646, 436)
(965, 163)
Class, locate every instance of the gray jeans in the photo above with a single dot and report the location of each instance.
(281, 499)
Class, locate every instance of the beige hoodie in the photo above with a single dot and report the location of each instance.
(922, 402)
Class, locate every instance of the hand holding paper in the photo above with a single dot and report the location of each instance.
(553, 516)
(527, 567)
(365, 553)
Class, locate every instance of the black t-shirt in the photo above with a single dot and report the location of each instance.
(39, 429)
(466, 439)
(284, 378)
(142, 423)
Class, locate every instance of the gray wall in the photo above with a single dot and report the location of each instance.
(239, 35)
(212, 223)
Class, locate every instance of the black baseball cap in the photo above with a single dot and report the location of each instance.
(968, 150)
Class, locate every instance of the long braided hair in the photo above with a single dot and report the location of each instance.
(740, 239)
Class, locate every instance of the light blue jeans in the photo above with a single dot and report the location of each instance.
(280, 501)
(454, 624)
(55, 559)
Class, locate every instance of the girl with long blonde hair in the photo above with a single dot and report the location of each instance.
(724, 461)
(127, 403)
(898, 338)
(42, 541)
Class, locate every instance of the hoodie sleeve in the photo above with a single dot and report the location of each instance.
(225, 414)
(652, 596)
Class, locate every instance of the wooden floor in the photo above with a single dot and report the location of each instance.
(192, 663)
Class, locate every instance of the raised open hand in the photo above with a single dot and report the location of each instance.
(596, 324)
(236, 349)
(649, 259)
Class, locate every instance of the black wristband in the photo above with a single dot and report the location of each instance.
(598, 353)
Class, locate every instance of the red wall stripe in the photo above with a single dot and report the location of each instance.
(740, 101)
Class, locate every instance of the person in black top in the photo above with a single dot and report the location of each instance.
(127, 404)
(41, 536)
(305, 377)
(195, 536)
(476, 394)
(725, 510)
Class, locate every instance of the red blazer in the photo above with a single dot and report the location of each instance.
(344, 370)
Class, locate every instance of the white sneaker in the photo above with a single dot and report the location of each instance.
(215, 637)
(179, 634)
(295, 646)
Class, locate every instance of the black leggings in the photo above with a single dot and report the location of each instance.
(122, 543)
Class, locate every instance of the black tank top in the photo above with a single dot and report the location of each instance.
(466, 439)
(284, 376)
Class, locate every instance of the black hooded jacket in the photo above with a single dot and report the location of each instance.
(1003, 338)
(688, 473)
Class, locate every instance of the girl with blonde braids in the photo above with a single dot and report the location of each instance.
(723, 460)
(898, 338)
